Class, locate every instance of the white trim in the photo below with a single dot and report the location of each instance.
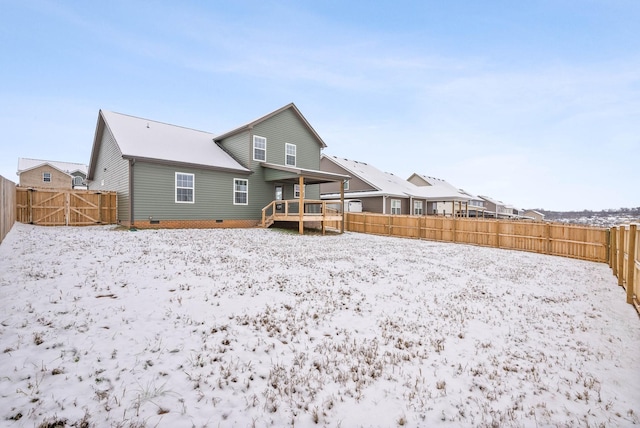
(415, 203)
(399, 207)
(246, 192)
(286, 154)
(264, 149)
(296, 191)
(192, 188)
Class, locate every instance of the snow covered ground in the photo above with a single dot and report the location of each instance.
(100, 326)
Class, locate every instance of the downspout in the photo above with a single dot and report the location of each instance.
(132, 162)
(384, 204)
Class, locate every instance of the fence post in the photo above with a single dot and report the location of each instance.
(453, 234)
(497, 233)
(389, 226)
(613, 254)
(621, 249)
(631, 261)
(67, 208)
(30, 205)
(548, 233)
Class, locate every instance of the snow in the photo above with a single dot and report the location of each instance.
(148, 139)
(101, 326)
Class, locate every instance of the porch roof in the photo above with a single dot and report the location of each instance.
(290, 174)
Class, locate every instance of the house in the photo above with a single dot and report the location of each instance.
(385, 193)
(477, 206)
(499, 209)
(51, 174)
(170, 176)
(534, 215)
(446, 199)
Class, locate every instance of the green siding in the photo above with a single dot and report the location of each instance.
(286, 127)
(112, 173)
(240, 147)
(154, 195)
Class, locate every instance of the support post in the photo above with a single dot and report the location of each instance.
(631, 261)
(342, 205)
(301, 206)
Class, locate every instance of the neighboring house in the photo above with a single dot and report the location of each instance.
(498, 209)
(51, 174)
(386, 193)
(170, 176)
(445, 198)
(477, 206)
(534, 215)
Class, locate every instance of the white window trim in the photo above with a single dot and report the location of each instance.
(193, 189)
(415, 207)
(286, 154)
(399, 206)
(254, 148)
(346, 184)
(238, 191)
(296, 191)
(44, 177)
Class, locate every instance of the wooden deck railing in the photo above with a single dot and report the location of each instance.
(327, 213)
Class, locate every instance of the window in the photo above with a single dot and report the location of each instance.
(77, 180)
(346, 184)
(290, 157)
(417, 208)
(46, 177)
(396, 206)
(259, 148)
(185, 190)
(296, 190)
(240, 191)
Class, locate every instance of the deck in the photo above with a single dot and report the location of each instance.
(328, 214)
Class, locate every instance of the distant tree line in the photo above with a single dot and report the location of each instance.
(622, 212)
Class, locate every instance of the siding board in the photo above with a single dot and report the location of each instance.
(112, 173)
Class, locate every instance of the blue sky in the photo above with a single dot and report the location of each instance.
(533, 103)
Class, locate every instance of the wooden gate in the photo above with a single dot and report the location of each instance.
(65, 207)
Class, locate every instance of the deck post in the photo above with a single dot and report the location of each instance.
(342, 205)
(301, 206)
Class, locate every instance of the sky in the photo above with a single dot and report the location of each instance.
(536, 103)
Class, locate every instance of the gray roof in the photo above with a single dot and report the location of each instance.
(25, 164)
(145, 139)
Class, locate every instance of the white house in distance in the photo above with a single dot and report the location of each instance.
(51, 174)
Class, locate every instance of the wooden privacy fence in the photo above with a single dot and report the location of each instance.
(7, 206)
(624, 260)
(587, 243)
(65, 207)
